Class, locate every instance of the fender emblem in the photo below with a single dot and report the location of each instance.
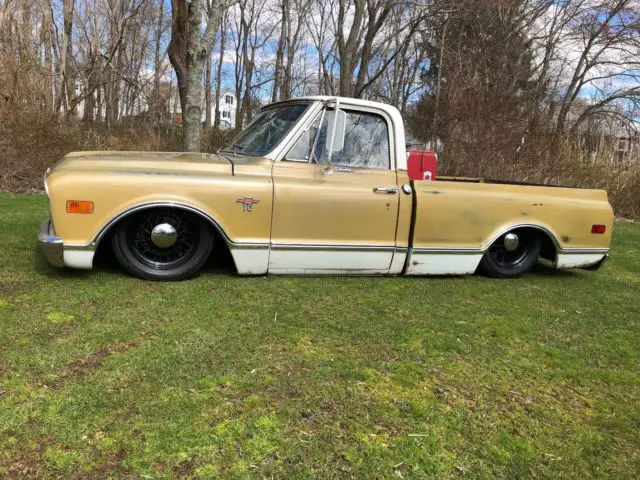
(247, 203)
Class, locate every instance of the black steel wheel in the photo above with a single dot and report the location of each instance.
(163, 244)
(512, 255)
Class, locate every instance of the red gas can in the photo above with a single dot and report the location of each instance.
(422, 165)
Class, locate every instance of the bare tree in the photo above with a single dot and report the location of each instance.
(285, 6)
(238, 38)
(292, 26)
(325, 43)
(188, 51)
(156, 105)
(359, 43)
(606, 34)
(224, 24)
(254, 30)
(208, 93)
(66, 86)
(112, 40)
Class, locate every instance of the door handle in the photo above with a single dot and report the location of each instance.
(386, 190)
(327, 171)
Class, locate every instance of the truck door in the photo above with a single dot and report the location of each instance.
(336, 212)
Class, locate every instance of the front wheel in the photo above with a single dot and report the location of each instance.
(163, 244)
(512, 255)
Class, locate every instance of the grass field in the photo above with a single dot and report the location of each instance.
(103, 375)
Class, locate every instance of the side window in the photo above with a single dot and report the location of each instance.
(301, 150)
(366, 143)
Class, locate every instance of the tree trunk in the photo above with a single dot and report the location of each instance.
(68, 63)
(188, 51)
(192, 112)
(285, 89)
(156, 109)
(56, 64)
(66, 88)
(248, 75)
(115, 47)
(347, 48)
(277, 75)
(223, 36)
(248, 72)
(45, 35)
(178, 47)
(99, 99)
(89, 105)
(207, 93)
(374, 24)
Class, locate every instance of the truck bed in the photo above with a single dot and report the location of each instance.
(443, 178)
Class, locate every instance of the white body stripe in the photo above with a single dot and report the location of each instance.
(443, 263)
(82, 259)
(397, 264)
(251, 261)
(329, 261)
(576, 260)
(260, 261)
(335, 262)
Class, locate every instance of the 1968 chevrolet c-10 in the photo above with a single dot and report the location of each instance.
(317, 185)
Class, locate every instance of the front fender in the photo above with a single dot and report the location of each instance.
(116, 196)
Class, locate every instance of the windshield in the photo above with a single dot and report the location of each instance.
(266, 130)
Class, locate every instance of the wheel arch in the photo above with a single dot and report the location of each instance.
(550, 244)
(108, 228)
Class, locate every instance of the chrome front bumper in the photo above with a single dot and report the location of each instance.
(50, 245)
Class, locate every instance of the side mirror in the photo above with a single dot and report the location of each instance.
(336, 127)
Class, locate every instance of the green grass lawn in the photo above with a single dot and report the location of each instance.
(103, 375)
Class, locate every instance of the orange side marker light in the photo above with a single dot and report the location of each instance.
(79, 206)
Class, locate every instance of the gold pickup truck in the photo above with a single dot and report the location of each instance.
(316, 185)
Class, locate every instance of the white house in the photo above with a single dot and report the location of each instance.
(228, 108)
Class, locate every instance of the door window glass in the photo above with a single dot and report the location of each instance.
(366, 143)
(301, 150)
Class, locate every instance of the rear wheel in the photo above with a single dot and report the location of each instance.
(163, 244)
(512, 255)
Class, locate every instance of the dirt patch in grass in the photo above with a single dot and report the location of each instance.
(31, 465)
(83, 367)
(28, 464)
(111, 467)
(185, 469)
(24, 468)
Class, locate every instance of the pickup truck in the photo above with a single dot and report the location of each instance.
(315, 185)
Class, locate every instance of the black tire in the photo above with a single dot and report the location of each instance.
(137, 253)
(498, 262)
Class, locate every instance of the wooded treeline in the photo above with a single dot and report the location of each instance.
(516, 89)
(117, 57)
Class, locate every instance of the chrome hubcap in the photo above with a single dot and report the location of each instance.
(164, 235)
(511, 242)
